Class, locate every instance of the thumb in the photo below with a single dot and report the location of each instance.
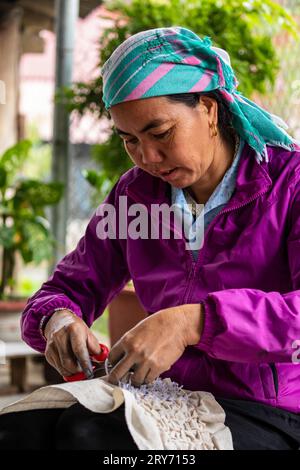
(93, 344)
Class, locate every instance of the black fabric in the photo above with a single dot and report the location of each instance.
(253, 426)
(28, 429)
(73, 428)
(79, 428)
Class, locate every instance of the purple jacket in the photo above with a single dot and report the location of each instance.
(247, 276)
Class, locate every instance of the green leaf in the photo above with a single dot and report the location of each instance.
(3, 177)
(40, 222)
(4, 209)
(37, 242)
(14, 157)
(95, 178)
(7, 235)
(37, 194)
(26, 253)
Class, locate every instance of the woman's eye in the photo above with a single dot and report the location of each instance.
(156, 136)
(131, 141)
(162, 135)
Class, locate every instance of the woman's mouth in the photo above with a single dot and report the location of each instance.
(170, 175)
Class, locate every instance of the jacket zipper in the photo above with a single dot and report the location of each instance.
(275, 377)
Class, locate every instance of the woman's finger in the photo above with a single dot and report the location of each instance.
(151, 376)
(138, 376)
(67, 357)
(93, 344)
(121, 369)
(50, 354)
(116, 353)
(53, 358)
(78, 340)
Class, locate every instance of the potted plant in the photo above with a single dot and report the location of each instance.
(24, 230)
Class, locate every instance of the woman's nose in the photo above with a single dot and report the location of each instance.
(150, 155)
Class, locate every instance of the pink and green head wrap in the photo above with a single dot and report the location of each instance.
(167, 61)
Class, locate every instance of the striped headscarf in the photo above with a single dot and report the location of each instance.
(166, 61)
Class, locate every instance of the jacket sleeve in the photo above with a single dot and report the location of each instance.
(249, 325)
(84, 281)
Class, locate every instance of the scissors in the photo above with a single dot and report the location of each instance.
(102, 365)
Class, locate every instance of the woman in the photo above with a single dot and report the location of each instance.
(223, 317)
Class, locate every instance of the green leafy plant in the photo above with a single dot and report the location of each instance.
(24, 228)
(245, 29)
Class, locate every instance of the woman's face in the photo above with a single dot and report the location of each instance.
(160, 135)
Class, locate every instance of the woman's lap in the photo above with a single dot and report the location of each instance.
(253, 426)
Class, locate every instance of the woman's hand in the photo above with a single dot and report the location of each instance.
(69, 344)
(154, 344)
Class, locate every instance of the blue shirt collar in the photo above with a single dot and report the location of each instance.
(222, 192)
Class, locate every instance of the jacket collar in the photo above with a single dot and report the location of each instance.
(252, 178)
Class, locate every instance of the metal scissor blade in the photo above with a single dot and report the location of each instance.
(99, 371)
(102, 368)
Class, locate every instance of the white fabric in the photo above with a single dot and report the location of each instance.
(224, 54)
(159, 416)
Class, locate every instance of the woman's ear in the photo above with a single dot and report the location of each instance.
(210, 107)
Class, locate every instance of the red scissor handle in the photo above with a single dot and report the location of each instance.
(96, 358)
(103, 355)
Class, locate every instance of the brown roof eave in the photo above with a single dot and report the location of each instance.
(46, 8)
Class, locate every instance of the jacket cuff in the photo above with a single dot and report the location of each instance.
(48, 310)
(210, 326)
